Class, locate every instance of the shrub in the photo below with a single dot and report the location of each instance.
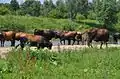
(91, 15)
(4, 10)
(79, 17)
(13, 26)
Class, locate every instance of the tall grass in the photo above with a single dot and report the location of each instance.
(82, 64)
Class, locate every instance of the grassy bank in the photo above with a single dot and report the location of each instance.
(29, 23)
(83, 64)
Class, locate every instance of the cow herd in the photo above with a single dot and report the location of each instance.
(42, 38)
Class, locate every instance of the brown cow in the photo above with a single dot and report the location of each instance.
(40, 40)
(19, 34)
(98, 34)
(8, 36)
(69, 35)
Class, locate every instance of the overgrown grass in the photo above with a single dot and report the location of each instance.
(83, 64)
(29, 23)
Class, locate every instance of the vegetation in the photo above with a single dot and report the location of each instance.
(28, 23)
(106, 12)
(82, 64)
(61, 15)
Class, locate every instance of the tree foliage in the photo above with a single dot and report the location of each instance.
(77, 6)
(4, 10)
(31, 7)
(14, 5)
(106, 11)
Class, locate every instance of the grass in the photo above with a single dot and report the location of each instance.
(28, 23)
(82, 64)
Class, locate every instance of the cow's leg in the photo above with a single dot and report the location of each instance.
(3, 42)
(106, 44)
(17, 46)
(12, 42)
(115, 40)
(49, 45)
(69, 41)
(78, 42)
(40, 45)
(74, 41)
(82, 41)
(64, 41)
(89, 43)
(22, 45)
(61, 41)
(101, 45)
(33, 43)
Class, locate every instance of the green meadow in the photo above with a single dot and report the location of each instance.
(80, 64)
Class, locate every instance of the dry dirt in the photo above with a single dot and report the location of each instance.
(5, 50)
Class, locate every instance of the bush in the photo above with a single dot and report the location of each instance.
(91, 15)
(4, 10)
(79, 17)
(57, 14)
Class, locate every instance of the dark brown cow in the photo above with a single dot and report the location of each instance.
(98, 34)
(116, 36)
(2, 40)
(48, 34)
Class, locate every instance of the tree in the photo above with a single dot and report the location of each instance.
(47, 7)
(31, 7)
(61, 10)
(51, 5)
(83, 7)
(118, 5)
(14, 5)
(106, 11)
(76, 6)
(4, 10)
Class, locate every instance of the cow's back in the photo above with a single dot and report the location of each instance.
(102, 35)
(8, 35)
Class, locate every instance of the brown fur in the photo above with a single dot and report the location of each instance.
(98, 34)
(39, 40)
(67, 35)
(8, 36)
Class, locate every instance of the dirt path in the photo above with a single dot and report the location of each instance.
(5, 50)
